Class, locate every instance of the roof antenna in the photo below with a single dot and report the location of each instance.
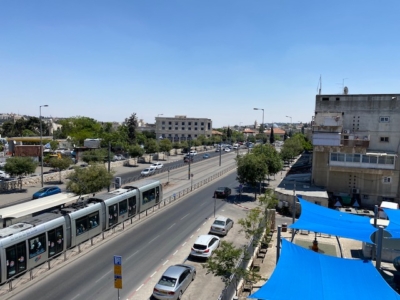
(319, 85)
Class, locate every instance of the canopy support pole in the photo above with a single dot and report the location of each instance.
(379, 248)
(340, 247)
(278, 244)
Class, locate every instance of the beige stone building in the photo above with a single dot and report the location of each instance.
(356, 142)
(180, 128)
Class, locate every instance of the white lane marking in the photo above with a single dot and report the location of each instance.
(191, 236)
(204, 223)
(76, 296)
(153, 274)
(132, 255)
(175, 252)
(165, 262)
(184, 216)
(140, 287)
(202, 204)
(170, 226)
(184, 244)
(198, 229)
(102, 276)
(154, 239)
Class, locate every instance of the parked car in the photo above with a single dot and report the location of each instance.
(148, 171)
(205, 245)
(46, 191)
(221, 225)
(227, 149)
(4, 175)
(174, 282)
(223, 192)
(193, 152)
(206, 155)
(157, 165)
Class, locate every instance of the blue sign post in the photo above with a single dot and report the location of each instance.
(118, 272)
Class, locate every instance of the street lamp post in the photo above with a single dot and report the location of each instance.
(262, 124)
(41, 146)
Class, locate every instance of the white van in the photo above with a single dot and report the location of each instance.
(386, 204)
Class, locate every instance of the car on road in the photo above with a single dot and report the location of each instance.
(193, 152)
(204, 246)
(187, 158)
(221, 225)
(227, 149)
(157, 165)
(216, 149)
(174, 282)
(223, 192)
(4, 175)
(206, 155)
(46, 191)
(148, 171)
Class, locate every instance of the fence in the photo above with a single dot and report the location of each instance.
(29, 275)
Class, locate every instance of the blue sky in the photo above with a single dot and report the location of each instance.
(208, 59)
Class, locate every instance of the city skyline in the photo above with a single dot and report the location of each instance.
(205, 59)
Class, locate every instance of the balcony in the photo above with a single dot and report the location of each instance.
(355, 139)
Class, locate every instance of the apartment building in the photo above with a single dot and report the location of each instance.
(356, 142)
(182, 128)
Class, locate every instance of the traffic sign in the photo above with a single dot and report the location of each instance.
(117, 272)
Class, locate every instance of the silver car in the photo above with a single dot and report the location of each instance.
(174, 282)
(221, 226)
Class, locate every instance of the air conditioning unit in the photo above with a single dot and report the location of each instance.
(355, 191)
(346, 131)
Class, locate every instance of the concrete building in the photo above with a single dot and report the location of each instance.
(356, 142)
(180, 128)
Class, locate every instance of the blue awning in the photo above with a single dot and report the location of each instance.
(394, 222)
(305, 274)
(325, 220)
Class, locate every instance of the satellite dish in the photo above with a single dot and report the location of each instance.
(346, 90)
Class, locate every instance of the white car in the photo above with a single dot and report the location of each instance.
(193, 152)
(227, 150)
(205, 245)
(157, 165)
(148, 171)
(4, 175)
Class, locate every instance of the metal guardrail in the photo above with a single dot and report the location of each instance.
(69, 253)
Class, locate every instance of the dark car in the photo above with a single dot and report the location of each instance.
(222, 192)
(187, 158)
(46, 191)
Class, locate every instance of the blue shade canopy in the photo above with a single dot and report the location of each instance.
(324, 220)
(304, 274)
(394, 222)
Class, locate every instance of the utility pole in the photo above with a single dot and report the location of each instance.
(220, 152)
(190, 157)
(109, 161)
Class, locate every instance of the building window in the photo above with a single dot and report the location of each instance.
(169, 128)
(325, 99)
(195, 128)
(195, 123)
(190, 128)
(385, 139)
(169, 123)
(183, 128)
(163, 128)
(195, 135)
(176, 123)
(189, 123)
(163, 122)
(183, 123)
(202, 123)
(387, 180)
(202, 128)
(176, 128)
(384, 119)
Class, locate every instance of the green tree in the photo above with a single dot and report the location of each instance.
(251, 169)
(89, 180)
(252, 224)
(54, 145)
(131, 124)
(251, 138)
(95, 156)
(165, 146)
(141, 138)
(27, 132)
(151, 147)
(19, 165)
(60, 164)
(135, 151)
(272, 135)
(80, 128)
